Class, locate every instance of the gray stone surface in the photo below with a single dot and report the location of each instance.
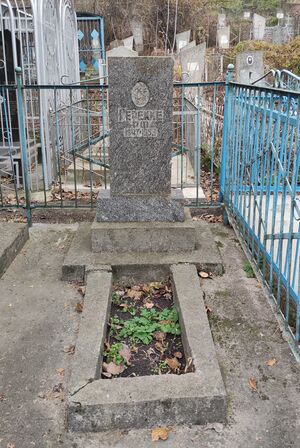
(192, 62)
(182, 40)
(249, 66)
(157, 237)
(92, 329)
(13, 236)
(80, 257)
(138, 208)
(223, 37)
(38, 319)
(259, 25)
(122, 51)
(143, 402)
(140, 164)
(137, 31)
(141, 132)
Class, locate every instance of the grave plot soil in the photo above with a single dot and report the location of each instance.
(143, 335)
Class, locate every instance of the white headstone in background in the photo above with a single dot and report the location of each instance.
(247, 15)
(193, 62)
(259, 25)
(188, 46)
(182, 39)
(137, 31)
(249, 66)
(122, 52)
(115, 44)
(221, 20)
(223, 37)
(128, 42)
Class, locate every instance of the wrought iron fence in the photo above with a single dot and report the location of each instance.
(261, 187)
(62, 159)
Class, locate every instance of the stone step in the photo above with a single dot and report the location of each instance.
(13, 236)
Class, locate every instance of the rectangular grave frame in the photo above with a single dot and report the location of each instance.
(96, 405)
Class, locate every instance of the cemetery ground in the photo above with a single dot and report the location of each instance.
(39, 320)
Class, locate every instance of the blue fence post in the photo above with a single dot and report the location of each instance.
(23, 144)
(227, 113)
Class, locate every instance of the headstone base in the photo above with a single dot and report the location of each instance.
(138, 208)
(139, 237)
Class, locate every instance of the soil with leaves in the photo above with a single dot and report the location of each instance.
(143, 336)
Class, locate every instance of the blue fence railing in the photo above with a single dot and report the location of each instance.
(261, 174)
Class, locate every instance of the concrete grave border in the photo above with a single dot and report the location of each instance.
(194, 398)
(13, 238)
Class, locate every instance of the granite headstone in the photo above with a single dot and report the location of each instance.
(182, 39)
(249, 66)
(141, 132)
(259, 25)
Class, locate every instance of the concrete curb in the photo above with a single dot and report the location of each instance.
(142, 402)
(13, 236)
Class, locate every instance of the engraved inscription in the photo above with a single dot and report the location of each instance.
(140, 94)
(140, 123)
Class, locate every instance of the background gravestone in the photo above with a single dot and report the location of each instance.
(223, 37)
(128, 42)
(137, 31)
(182, 39)
(249, 66)
(141, 133)
(192, 61)
(259, 25)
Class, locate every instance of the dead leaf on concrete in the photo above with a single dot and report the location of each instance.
(252, 384)
(81, 290)
(2, 397)
(159, 434)
(112, 368)
(203, 274)
(173, 363)
(271, 362)
(60, 371)
(125, 352)
(10, 445)
(69, 349)
(79, 307)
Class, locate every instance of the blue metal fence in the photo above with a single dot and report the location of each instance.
(261, 187)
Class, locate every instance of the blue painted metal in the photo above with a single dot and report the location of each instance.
(261, 187)
(23, 143)
(91, 41)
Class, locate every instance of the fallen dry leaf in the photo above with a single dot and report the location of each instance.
(160, 347)
(70, 349)
(159, 434)
(2, 397)
(173, 363)
(81, 290)
(253, 384)
(60, 371)
(134, 294)
(178, 355)
(112, 368)
(159, 336)
(149, 305)
(10, 445)
(125, 352)
(156, 285)
(271, 362)
(203, 274)
(79, 307)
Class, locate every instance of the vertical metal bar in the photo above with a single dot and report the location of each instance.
(227, 114)
(23, 144)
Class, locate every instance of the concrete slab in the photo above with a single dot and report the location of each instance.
(80, 257)
(38, 319)
(147, 237)
(13, 236)
(142, 402)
